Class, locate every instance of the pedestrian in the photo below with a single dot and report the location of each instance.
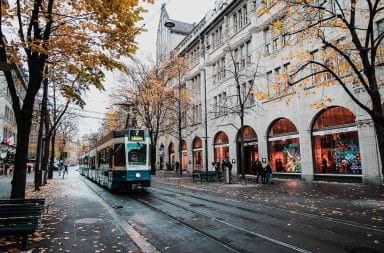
(66, 169)
(6, 169)
(59, 170)
(259, 171)
(324, 165)
(177, 165)
(227, 166)
(268, 170)
(29, 169)
(264, 175)
(217, 165)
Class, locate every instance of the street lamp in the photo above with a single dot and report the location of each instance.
(128, 122)
(62, 151)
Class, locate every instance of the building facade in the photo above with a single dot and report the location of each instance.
(8, 128)
(234, 55)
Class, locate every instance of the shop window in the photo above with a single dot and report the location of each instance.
(251, 151)
(197, 153)
(221, 146)
(336, 142)
(284, 147)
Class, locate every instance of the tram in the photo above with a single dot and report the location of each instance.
(120, 161)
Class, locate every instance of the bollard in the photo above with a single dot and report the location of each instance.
(227, 176)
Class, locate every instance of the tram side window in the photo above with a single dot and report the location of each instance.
(119, 155)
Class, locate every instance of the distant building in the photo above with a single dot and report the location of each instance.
(300, 141)
(169, 37)
(8, 128)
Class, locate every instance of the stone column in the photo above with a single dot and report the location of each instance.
(369, 152)
(306, 155)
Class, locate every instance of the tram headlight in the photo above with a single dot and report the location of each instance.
(138, 175)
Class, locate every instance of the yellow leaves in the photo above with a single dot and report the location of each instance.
(261, 96)
(323, 103)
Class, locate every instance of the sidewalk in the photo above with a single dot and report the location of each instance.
(5, 184)
(75, 220)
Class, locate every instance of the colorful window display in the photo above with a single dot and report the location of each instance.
(197, 154)
(251, 151)
(284, 147)
(221, 147)
(336, 143)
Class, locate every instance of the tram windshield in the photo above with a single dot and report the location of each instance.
(137, 153)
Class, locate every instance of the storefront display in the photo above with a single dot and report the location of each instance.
(221, 146)
(284, 147)
(251, 151)
(197, 153)
(336, 143)
(184, 155)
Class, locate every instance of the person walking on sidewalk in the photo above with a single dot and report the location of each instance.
(65, 169)
(259, 171)
(268, 170)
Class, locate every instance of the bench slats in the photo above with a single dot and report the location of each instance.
(20, 216)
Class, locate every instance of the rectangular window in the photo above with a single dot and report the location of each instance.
(267, 41)
(235, 24)
(224, 103)
(248, 52)
(314, 67)
(137, 153)
(215, 106)
(245, 13)
(269, 83)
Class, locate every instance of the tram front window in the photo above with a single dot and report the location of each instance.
(137, 154)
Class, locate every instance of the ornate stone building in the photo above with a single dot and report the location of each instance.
(336, 142)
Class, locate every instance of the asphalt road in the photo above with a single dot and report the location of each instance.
(178, 219)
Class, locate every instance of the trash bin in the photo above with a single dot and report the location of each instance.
(227, 178)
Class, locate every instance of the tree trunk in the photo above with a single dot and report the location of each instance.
(44, 163)
(242, 162)
(379, 128)
(19, 174)
(52, 160)
(153, 159)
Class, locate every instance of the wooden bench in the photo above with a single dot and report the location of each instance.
(208, 176)
(20, 217)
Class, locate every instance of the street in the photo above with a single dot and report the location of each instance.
(178, 215)
(180, 220)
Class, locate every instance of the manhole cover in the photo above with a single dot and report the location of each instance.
(196, 205)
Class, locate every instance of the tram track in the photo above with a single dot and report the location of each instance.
(207, 223)
(279, 209)
(221, 221)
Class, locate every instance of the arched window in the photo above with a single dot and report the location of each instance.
(284, 147)
(197, 150)
(221, 146)
(251, 151)
(184, 155)
(171, 156)
(336, 142)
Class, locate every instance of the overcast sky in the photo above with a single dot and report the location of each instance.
(182, 10)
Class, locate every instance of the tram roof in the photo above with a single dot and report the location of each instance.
(112, 135)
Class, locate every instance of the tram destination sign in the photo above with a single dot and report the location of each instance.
(136, 135)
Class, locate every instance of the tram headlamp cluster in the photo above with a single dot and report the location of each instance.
(138, 175)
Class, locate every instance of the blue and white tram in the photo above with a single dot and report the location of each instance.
(120, 161)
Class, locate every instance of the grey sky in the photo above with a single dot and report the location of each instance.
(183, 10)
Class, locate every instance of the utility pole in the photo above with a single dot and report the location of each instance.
(179, 128)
